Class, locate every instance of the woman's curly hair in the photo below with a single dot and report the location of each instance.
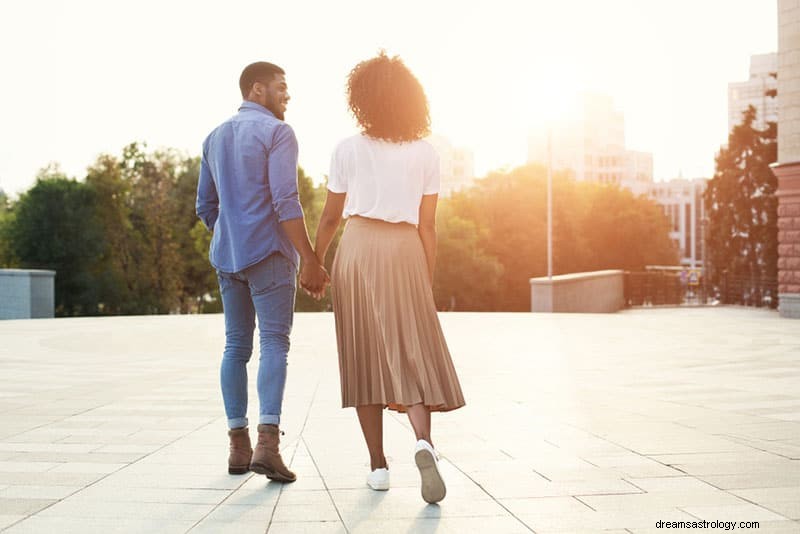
(387, 100)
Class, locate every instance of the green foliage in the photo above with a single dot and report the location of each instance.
(150, 261)
(312, 198)
(127, 240)
(742, 207)
(594, 227)
(6, 221)
(53, 228)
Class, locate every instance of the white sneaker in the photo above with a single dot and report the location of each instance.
(433, 488)
(379, 479)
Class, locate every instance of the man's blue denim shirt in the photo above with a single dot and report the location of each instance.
(247, 186)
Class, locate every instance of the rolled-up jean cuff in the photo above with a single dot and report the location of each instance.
(269, 419)
(239, 422)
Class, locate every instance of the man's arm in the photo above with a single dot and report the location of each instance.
(286, 202)
(207, 205)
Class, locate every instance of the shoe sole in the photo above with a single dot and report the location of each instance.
(433, 488)
(238, 470)
(378, 487)
(262, 469)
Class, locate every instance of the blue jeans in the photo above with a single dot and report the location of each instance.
(265, 291)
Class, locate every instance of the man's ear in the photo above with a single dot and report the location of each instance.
(258, 89)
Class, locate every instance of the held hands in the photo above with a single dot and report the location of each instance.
(314, 278)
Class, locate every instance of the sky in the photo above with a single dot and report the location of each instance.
(81, 78)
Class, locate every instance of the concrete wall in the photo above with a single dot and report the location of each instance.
(27, 294)
(592, 292)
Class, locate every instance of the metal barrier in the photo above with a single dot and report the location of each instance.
(675, 288)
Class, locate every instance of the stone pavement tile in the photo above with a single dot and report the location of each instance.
(241, 512)
(26, 467)
(672, 484)
(444, 525)
(790, 509)
(86, 467)
(127, 448)
(127, 510)
(321, 527)
(749, 457)
(229, 527)
(779, 494)
(297, 513)
(7, 520)
(608, 520)
(777, 465)
(738, 512)
(660, 500)
(768, 479)
(93, 525)
(24, 506)
(504, 487)
(306, 498)
(764, 527)
(49, 479)
(151, 495)
(76, 457)
(544, 506)
(258, 497)
(146, 467)
(48, 447)
(182, 480)
(356, 506)
(38, 492)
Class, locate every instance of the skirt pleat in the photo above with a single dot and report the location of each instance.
(392, 350)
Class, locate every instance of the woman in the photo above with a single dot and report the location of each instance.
(385, 182)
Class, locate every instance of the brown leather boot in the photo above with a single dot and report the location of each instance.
(267, 458)
(241, 451)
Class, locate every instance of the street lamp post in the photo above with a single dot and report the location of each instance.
(549, 203)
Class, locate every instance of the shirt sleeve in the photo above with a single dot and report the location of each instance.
(337, 180)
(282, 172)
(207, 204)
(432, 178)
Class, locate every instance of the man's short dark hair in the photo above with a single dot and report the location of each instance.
(260, 71)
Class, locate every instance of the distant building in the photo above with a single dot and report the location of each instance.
(591, 144)
(456, 166)
(682, 201)
(753, 92)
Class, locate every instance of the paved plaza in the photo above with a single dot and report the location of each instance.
(574, 423)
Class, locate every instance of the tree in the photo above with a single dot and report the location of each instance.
(6, 221)
(53, 228)
(595, 227)
(466, 276)
(742, 211)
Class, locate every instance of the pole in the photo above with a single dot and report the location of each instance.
(549, 203)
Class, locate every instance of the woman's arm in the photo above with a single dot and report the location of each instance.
(328, 223)
(427, 230)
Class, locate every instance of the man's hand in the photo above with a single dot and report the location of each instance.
(314, 278)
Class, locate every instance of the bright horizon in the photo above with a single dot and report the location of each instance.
(85, 78)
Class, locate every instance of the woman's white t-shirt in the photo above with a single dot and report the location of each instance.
(384, 180)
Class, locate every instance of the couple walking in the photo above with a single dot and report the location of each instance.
(384, 182)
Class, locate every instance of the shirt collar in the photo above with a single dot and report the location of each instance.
(256, 107)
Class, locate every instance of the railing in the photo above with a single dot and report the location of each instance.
(665, 288)
(748, 291)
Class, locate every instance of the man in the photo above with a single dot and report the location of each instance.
(247, 196)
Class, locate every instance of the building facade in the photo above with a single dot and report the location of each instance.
(456, 165)
(753, 92)
(787, 169)
(682, 202)
(591, 144)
